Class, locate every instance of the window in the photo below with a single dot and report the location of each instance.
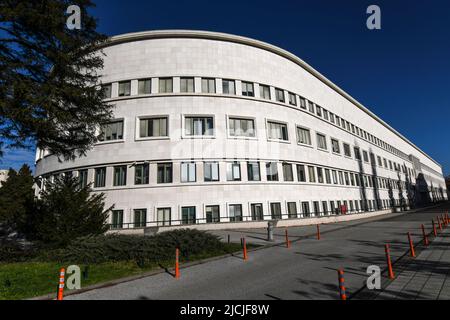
(272, 171)
(312, 174)
(292, 99)
(366, 156)
(304, 136)
(302, 103)
(124, 88)
(331, 117)
(188, 172)
(235, 212)
(257, 211)
(347, 180)
(228, 87)
(352, 179)
(163, 215)
(140, 218)
(83, 178)
(233, 171)
(211, 171)
(279, 95)
(107, 91)
(145, 86)
(385, 163)
(164, 173)
(100, 177)
(321, 141)
(316, 208)
(320, 175)
(325, 207)
(328, 176)
(357, 153)
(188, 215)
(141, 174)
(305, 209)
(287, 172)
(165, 85)
(341, 178)
(335, 179)
(311, 106)
(187, 85)
(292, 210)
(301, 174)
(208, 85)
(264, 92)
(247, 89)
(117, 219)
(242, 127)
(111, 131)
(120, 176)
(275, 210)
(325, 114)
(253, 171)
(153, 127)
(347, 150)
(212, 214)
(277, 131)
(319, 110)
(335, 146)
(199, 126)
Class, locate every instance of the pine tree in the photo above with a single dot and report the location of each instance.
(49, 92)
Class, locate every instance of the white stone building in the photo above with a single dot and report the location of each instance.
(216, 128)
(3, 176)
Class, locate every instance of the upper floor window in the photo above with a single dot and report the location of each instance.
(335, 146)
(347, 150)
(100, 177)
(120, 176)
(228, 86)
(107, 91)
(124, 88)
(321, 141)
(319, 110)
(304, 136)
(83, 178)
(141, 174)
(111, 131)
(233, 171)
(312, 174)
(165, 85)
(279, 95)
(242, 127)
(292, 99)
(277, 131)
(153, 127)
(357, 153)
(187, 85)
(253, 171)
(164, 173)
(264, 92)
(331, 117)
(208, 85)
(311, 106)
(188, 172)
(302, 103)
(145, 86)
(287, 172)
(211, 171)
(199, 126)
(272, 171)
(366, 156)
(247, 89)
(301, 174)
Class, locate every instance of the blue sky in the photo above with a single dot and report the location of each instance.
(402, 72)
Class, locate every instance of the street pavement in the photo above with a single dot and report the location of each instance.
(308, 270)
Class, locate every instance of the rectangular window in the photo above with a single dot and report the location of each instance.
(301, 174)
(100, 178)
(320, 175)
(187, 85)
(357, 153)
(212, 214)
(257, 211)
(247, 89)
(235, 212)
(305, 209)
(325, 207)
(141, 174)
(188, 172)
(120, 176)
(211, 171)
(163, 217)
(208, 85)
(325, 114)
(292, 99)
(233, 171)
(287, 172)
(316, 208)
(275, 210)
(188, 215)
(264, 92)
(165, 85)
(366, 156)
(117, 219)
(335, 146)
(352, 179)
(331, 117)
(328, 176)
(111, 131)
(279, 95)
(312, 174)
(124, 88)
(164, 173)
(228, 87)
(311, 106)
(107, 91)
(321, 141)
(292, 210)
(319, 110)
(272, 171)
(145, 86)
(341, 178)
(140, 218)
(302, 103)
(199, 126)
(253, 171)
(242, 127)
(277, 131)
(335, 179)
(303, 136)
(347, 150)
(153, 127)
(347, 180)
(83, 178)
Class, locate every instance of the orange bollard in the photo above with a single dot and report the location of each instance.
(411, 246)
(288, 243)
(244, 248)
(434, 228)
(318, 232)
(425, 237)
(341, 284)
(62, 274)
(177, 263)
(389, 263)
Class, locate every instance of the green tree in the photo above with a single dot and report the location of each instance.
(49, 77)
(16, 197)
(66, 211)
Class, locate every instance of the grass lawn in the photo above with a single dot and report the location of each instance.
(31, 279)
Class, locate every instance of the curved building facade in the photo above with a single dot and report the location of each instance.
(213, 128)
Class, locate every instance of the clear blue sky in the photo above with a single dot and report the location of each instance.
(402, 72)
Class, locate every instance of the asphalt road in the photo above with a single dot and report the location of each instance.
(305, 271)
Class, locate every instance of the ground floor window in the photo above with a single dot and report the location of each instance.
(212, 214)
(257, 211)
(325, 207)
(140, 218)
(188, 215)
(275, 210)
(305, 209)
(163, 216)
(117, 219)
(235, 212)
(292, 210)
(316, 208)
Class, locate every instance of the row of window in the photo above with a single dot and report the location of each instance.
(208, 85)
(212, 213)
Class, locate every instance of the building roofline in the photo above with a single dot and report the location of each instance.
(198, 34)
